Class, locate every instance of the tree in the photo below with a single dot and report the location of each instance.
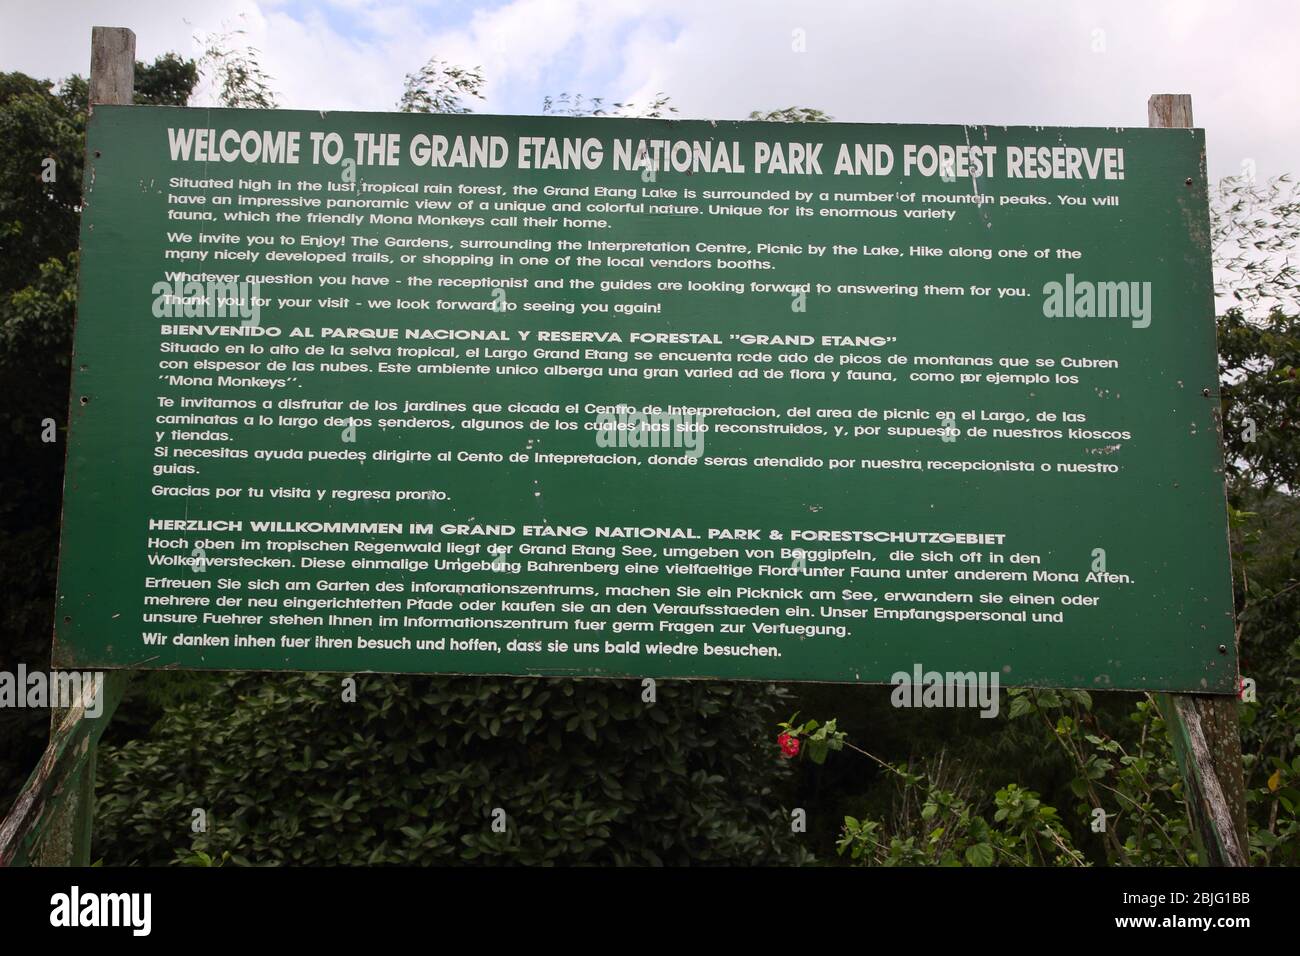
(576, 104)
(791, 114)
(1256, 234)
(168, 82)
(1255, 227)
(1260, 400)
(43, 131)
(235, 69)
(441, 87)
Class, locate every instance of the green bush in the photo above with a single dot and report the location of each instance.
(288, 773)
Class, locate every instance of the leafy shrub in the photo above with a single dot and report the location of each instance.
(288, 773)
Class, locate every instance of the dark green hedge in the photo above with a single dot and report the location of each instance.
(410, 773)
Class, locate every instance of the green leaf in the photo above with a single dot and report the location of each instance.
(980, 854)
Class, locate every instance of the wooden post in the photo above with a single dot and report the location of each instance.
(1204, 728)
(67, 829)
(49, 823)
(112, 66)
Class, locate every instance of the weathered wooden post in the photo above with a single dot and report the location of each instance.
(112, 66)
(1204, 727)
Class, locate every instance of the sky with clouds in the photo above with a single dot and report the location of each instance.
(1038, 62)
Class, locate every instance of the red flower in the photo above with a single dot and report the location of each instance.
(789, 745)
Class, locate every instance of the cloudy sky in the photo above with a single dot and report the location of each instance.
(1041, 62)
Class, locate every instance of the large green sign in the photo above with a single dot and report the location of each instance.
(530, 395)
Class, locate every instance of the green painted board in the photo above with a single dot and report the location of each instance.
(873, 397)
